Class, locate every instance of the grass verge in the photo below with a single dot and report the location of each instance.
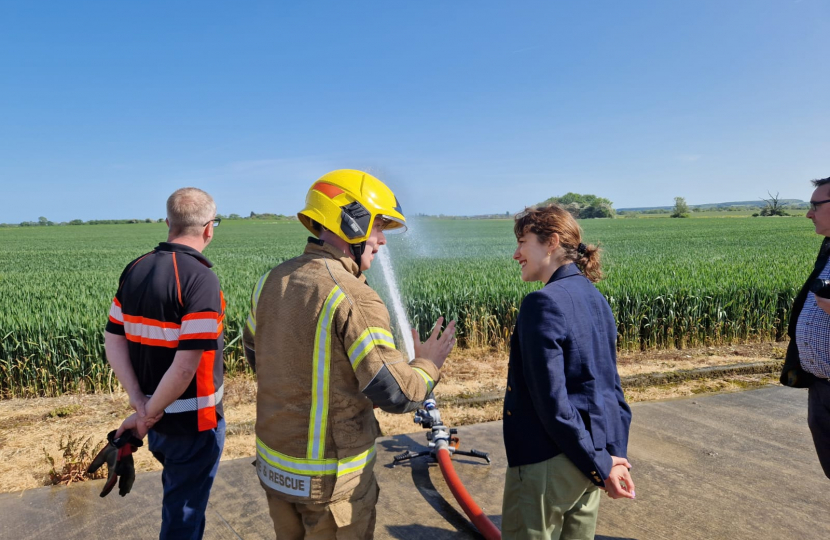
(33, 428)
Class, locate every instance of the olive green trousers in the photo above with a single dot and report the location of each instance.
(551, 500)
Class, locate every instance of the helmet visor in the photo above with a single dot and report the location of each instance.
(391, 224)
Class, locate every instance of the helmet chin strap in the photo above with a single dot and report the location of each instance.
(357, 251)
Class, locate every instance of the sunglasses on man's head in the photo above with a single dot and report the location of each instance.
(215, 221)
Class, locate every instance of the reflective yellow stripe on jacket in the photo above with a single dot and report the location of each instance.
(367, 341)
(320, 378)
(315, 463)
(314, 467)
(427, 379)
(254, 300)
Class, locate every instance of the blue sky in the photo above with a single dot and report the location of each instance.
(463, 107)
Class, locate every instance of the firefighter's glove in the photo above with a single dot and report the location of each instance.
(118, 455)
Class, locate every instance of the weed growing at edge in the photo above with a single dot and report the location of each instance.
(77, 455)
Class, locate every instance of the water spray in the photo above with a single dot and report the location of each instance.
(397, 303)
(442, 442)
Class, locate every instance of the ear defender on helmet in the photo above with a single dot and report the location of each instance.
(355, 220)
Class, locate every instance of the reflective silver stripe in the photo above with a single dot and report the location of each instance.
(427, 379)
(350, 465)
(320, 377)
(254, 300)
(115, 312)
(152, 331)
(366, 342)
(314, 467)
(200, 326)
(287, 463)
(196, 403)
(258, 289)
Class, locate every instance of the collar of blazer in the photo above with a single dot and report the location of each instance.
(565, 271)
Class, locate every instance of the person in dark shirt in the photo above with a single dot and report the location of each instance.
(565, 417)
(164, 341)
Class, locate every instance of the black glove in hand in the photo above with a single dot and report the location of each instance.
(118, 455)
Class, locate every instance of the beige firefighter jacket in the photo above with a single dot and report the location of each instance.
(319, 338)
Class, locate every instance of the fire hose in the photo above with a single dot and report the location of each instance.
(442, 446)
(476, 515)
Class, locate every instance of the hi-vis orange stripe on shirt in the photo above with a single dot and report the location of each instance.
(202, 325)
(151, 332)
(115, 312)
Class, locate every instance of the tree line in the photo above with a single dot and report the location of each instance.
(43, 221)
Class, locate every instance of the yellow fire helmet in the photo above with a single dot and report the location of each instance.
(347, 202)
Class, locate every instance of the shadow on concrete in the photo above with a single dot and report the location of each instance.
(422, 532)
(425, 532)
(419, 469)
(422, 470)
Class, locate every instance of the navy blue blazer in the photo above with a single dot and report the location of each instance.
(563, 390)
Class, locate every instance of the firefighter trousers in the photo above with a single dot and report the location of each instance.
(350, 518)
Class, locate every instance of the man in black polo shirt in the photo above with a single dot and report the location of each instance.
(164, 342)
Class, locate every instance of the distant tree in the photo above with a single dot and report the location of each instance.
(681, 209)
(234, 216)
(583, 206)
(773, 207)
(596, 210)
(76, 222)
(42, 221)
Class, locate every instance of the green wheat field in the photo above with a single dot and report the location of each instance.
(670, 283)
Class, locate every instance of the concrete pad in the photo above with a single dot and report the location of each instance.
(736, 466)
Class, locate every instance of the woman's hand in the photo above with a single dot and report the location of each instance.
(619, 484)
(620, 461)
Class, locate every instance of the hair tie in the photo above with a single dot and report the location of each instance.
(581, 248)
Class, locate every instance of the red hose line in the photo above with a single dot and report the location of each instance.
(476, 515)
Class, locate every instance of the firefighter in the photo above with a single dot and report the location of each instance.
(319, 339)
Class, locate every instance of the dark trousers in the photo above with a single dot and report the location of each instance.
(818, 418)
(190, 464)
